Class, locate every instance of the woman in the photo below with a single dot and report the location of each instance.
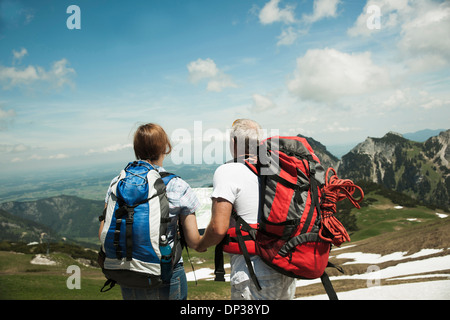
(152, 144)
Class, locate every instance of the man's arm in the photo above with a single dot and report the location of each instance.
(218, 226)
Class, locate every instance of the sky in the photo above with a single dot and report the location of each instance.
(75, 82)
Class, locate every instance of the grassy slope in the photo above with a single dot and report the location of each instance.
(19, 279)
(381, 216)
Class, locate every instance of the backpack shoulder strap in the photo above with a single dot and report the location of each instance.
(331, 293)
(241, 223)
(254, 167)
(179, 240)
(167, 176)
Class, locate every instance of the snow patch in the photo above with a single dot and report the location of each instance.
(373, 258)
(40, 259)
(432, 290)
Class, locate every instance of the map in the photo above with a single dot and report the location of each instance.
(203, 214)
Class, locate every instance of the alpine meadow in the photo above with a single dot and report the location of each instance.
(365, 83)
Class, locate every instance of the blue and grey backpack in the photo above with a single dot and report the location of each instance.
(134, 238)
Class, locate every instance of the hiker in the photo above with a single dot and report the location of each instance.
(236, 188)
(151, 144)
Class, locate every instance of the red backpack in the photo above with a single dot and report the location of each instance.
(296, 219)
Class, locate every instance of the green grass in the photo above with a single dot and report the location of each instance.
(36, 286)
(381, 217)
(209, 290)
(21, 280)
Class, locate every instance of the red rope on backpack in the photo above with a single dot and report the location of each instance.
(335, 190)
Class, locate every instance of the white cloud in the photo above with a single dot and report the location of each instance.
(58, 156)
(338, 127)
(391, 15)
(112, 148)
(58, 75)
(206, 69)
(328, 74)
(287, 37)
(435, 103)
(18, 55)
(16, 148)
(271, 13)
(202, 69)
(422, 25)
(428, 101)
(13, 76)
(425, 37)
(6, 116)
(220, 82)
(261, 103)
(322, 9)
(35, 157)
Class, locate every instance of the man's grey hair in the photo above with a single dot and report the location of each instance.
(245, 136)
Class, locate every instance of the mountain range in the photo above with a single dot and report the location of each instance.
(420, 170)
(57, 217)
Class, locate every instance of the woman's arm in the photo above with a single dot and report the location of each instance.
(190, 230)
(101, 227)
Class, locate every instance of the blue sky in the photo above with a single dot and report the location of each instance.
(329, 69)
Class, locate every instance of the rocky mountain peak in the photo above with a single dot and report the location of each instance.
(436, 148)
(415, 168)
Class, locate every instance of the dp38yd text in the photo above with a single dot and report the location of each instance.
(234, 309)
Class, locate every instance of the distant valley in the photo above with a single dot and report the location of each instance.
(69, 207)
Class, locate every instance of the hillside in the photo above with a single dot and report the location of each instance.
(414, 257)
(68, 216)
(392, 229)
(421, 170)
(77, 219)
(327, 159)
(409, 264)
(14, 228)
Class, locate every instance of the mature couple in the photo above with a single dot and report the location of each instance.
(236, 188)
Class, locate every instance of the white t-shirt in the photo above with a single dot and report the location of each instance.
(237, 184)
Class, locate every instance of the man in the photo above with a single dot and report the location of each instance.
(236, 187)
